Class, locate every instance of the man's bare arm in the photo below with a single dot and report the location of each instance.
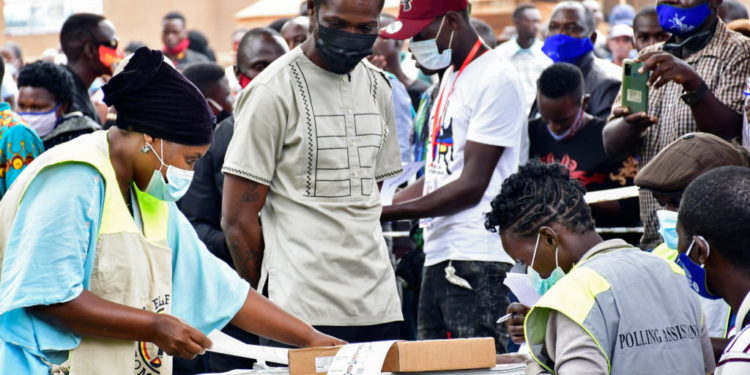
(241, 203)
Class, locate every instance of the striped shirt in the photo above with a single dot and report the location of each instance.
(736, 357)
(724, 67)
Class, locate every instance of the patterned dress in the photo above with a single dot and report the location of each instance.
(19, 145)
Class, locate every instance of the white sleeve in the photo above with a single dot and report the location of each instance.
(498, 115)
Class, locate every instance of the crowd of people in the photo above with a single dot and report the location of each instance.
(151, 196)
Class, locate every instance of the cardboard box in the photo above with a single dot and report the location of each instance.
(407, 356)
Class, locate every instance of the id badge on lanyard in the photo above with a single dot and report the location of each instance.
(434, 167)
(441, 105)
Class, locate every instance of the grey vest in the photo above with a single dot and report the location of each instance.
(636, 306)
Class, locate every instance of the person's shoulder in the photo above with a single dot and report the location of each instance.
(223, 134)
(596, 123)
(491, 67)
(280, 70)
(380, 74)
(537, 128)
(507, 48)
(733, 43)
(611, 71)
(195, 56)
(19, 130)
(737, 353)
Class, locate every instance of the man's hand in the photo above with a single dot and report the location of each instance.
(318, 339)
(641, 120)
(177, 338)
(515, 323)
(665, 67)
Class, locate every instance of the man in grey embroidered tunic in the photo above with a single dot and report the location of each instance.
(314, 137)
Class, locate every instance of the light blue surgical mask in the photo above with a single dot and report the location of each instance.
(427, 54)
(696, 274)
(540, 284)
(179, 180)
(668, 227)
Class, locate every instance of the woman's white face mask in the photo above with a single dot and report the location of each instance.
(177, 184)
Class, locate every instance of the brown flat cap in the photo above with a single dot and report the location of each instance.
(683, 160)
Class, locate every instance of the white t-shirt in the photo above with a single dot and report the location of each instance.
(486, 106)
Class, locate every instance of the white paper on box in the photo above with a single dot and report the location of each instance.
(323, 364)
(360, 359)
(519, 285)
(225, 344)
(390, 185)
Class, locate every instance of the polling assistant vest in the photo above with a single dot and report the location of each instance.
(131, 267)
(636, 307)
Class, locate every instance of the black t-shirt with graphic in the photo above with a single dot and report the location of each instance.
(584, 156)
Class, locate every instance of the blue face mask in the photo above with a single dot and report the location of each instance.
(668, 227)
(565, 48)
(536, 281)
(695, 273)
(179, 180)
(682, 21)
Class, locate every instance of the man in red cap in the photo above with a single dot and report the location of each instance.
(476, 128)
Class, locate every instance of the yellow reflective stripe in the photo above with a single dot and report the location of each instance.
(663, 251)
(155, 215)
(580, 290)
(573, 296)
(544, 327)
(670, 256)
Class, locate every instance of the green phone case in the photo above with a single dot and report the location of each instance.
(634, 87)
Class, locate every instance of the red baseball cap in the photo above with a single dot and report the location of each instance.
(415, 15)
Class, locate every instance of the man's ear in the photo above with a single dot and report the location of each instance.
(586, 102)
(453, 19)
(236, 71)
(701, 249)
(593, 37)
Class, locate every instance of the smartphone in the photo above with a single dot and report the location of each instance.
(634, 87)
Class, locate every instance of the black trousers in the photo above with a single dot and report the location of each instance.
(450, 311)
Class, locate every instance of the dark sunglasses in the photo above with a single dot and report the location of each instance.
(110, 43)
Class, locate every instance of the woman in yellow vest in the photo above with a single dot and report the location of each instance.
(101, 274)
(606, 307)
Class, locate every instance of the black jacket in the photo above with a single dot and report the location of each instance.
(202, 203)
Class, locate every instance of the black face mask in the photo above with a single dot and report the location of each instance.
(342, 51)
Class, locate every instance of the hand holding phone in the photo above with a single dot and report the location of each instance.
(634, 87)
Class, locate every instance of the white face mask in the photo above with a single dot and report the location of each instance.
(42, 122)
(179, 180)
(427, 54)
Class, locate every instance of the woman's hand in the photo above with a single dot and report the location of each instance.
(177, 338)
(515, 323)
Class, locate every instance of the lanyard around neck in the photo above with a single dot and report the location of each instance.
(441, 105)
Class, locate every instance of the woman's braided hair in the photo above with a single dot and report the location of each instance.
(537, 195)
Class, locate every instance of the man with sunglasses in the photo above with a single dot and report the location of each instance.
(89, 43)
